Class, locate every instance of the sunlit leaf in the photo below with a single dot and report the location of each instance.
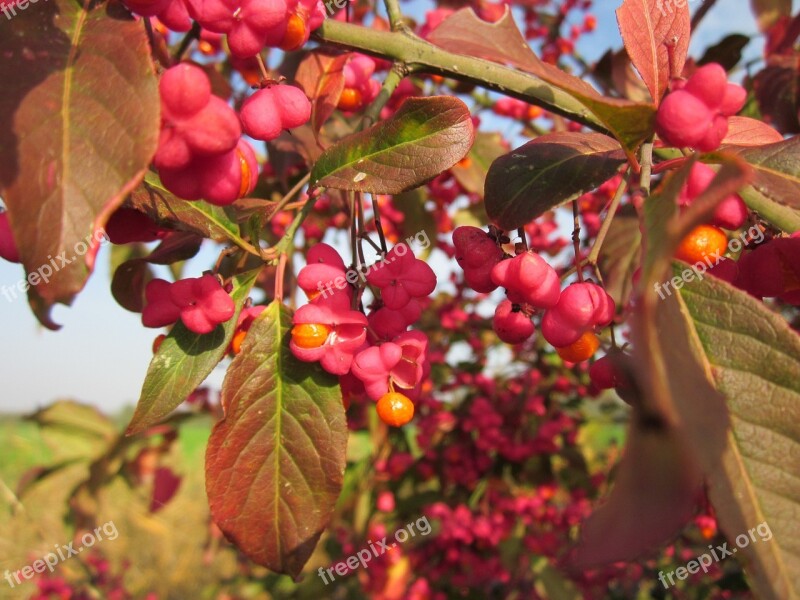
(275, 465)
(425, 137)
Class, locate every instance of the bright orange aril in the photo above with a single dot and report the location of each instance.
(310, 335)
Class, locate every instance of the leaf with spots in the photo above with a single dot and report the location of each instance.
(275, 464)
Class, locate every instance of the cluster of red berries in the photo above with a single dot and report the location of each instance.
(359, 87)
(570, 317)
(695, 114)
(200, 152)
(329, 331)
(200, 302)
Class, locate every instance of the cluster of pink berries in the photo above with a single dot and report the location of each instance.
(200, 302)
(272, 109)
(200, 152)
(531, 284)
(359, 87)
(695, 114)
(250, 25)
(329, 331)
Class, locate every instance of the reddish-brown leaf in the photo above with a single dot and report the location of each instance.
(275, 464)
(79, 122)
(744, 131)
(322, 78)
(656, 35)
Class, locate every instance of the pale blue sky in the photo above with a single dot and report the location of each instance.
(102, 352)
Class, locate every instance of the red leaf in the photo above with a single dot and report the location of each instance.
(322, 78)
(165, 486)
(656, 35)
(79, 125)
(744, 131)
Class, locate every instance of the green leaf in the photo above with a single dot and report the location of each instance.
(546, 172)
(275, 465)
(425, 137)
(755, 357)
(464, 32)
(783, 217)
(80, 124)
(777, 179)
(202, 218)
(74, 430)
(183, 362)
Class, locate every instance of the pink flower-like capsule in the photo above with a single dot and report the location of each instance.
(325, 268)
(399, 363)
(512, 326)
(8, 247)
(270, 110)
(200, 302)
(203, 303)
(220, 179)
(696, 115)
(477, 254)
(160, 310)
(401, 277)
(581, 307)
(252, 21)
(194, 123)
(731, 213)
(388, 323)
(346, 333)
(176, 16)
(528, 279)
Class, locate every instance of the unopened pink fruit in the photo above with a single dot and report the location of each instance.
(512, 326)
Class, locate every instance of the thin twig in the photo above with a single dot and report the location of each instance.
(576, 238)
(376, 213)
(191, 35)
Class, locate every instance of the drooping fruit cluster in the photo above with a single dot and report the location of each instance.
(359, 87)
(200, 152)
(272, 109)
(8, 247)
(531, 284)
(696, 113)
(200, 302)
(250, 25)
(330, 331)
